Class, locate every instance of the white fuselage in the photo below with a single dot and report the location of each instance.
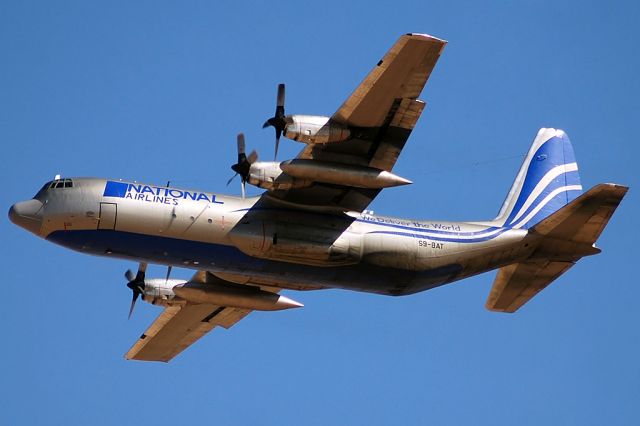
(246, 240)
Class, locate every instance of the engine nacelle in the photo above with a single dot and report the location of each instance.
(269, 175)
(159, 291)
(315, 129)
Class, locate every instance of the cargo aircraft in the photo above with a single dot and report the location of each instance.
(310, 229)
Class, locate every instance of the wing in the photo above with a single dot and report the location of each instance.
(381, 114)
(179, 326)
(401, 74)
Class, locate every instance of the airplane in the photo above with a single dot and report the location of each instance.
(310, 229)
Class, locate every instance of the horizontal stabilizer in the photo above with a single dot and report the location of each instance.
(567, 235)
(583, 220)
(516, 284)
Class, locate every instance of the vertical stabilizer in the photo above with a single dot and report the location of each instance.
(547, 181)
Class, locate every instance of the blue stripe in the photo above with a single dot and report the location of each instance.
(554, 204)
(550, 207)
(450, 240)
(433, 231)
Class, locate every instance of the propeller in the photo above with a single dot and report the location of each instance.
(244, 163)
(166, 280)
(136, 284)
(278, 121)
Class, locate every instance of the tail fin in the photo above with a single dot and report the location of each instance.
(547, 181)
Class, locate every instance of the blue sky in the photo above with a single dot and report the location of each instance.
(157, 91)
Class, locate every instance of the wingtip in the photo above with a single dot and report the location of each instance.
(621, 189)
(427, 36)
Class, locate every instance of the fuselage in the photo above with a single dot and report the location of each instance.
(248, 241)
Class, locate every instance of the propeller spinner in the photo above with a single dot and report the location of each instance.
(278, 121)
(136, 284)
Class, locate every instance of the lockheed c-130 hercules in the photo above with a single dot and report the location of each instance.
(310, 229)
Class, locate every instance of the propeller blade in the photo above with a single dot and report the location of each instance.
(142, 268)
(232, 178)
(136, 284)
(133, 302)
(278, 121)
(243, 166)
(166, 280)
(280, 101)
(241, 144)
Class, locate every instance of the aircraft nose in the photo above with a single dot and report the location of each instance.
(25, 214)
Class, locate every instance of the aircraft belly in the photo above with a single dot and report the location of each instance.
(223, 259)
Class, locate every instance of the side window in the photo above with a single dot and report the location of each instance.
(68, 183)
(60, 184)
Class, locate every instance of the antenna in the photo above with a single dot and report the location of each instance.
(57, 177)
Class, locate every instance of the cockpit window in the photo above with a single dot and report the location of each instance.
(42, 190)
(61, 183)
(54, 184)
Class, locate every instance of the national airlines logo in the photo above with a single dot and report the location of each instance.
(155, 194)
